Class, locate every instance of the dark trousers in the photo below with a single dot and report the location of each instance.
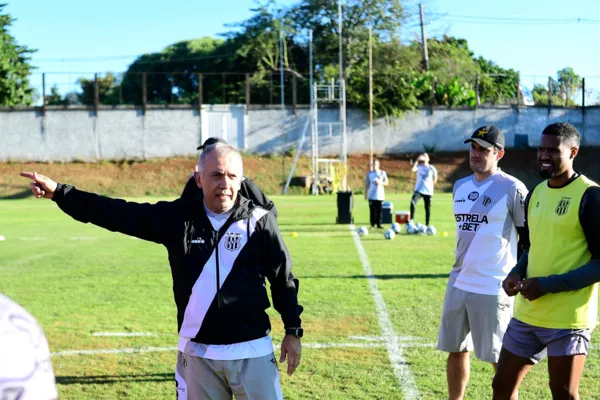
(413, 203)
(375, 208)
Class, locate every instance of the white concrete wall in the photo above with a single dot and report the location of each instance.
(66, 135)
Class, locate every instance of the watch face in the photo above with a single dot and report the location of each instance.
(300, 332)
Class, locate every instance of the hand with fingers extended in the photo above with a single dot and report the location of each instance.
(41, 186)
(292, 348)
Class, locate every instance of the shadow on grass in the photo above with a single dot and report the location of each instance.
(17, 196)
(109, 379)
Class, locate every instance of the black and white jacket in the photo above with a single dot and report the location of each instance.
(218, 277)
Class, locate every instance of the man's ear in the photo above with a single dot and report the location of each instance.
(574, 152)
(197, 179)
(500, 154)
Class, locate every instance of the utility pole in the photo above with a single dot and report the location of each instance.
(424, 40)
(282, 77)
(342, 100)
(371, 96)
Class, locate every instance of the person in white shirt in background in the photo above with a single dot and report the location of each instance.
(25, 368)
(489, 209)
(374, 192)
(426, 180)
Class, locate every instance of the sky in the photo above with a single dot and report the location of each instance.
(77, 38)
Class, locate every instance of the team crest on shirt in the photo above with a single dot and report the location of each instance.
(473, 196)
(233, 241)
(563, 206)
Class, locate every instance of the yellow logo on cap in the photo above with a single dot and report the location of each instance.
(482, 133)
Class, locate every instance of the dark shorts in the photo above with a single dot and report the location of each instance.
(533, 342)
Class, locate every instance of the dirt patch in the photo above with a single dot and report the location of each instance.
(167, 177)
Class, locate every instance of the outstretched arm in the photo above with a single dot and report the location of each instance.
(145, 221)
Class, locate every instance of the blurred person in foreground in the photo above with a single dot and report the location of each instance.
(25, 367)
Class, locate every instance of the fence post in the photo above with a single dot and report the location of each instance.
(247, 93)
(200, 101)
(549, 94)
(43, 93)
(200, 91)
(583, 95)
(518, 90)
(121, 92)
(477, 99)
(270, 88)
(96, 94)
(170, 77)
(294, 94)
(144, 92)
(432, 100)
(224, 88)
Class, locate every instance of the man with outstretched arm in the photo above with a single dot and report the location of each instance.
(221, 250)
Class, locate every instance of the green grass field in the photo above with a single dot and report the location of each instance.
(79, 280)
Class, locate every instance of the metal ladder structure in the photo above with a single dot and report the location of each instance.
(328, 94)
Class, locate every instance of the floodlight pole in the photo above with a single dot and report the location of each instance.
(371, 96)
(282, 106)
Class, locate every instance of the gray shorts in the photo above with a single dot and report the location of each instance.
(472, 321)
(533, 342)
(248, 379)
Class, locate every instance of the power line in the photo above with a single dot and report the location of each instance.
(516, 20)
(102, 58)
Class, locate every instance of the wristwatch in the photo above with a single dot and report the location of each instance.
(298, 332)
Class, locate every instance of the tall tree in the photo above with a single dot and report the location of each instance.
(15, 66)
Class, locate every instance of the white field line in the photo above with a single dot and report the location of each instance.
(163, 349)
(123, 334)
(394, 348)
(381, 338)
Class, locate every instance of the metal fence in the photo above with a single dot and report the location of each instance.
(170, 89)
(144, 88)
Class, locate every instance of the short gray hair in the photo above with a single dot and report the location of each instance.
(222, 150)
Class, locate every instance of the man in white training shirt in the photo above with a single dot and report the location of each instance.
(490, 216)
(25, 367)
(426, 180)
(374, 192)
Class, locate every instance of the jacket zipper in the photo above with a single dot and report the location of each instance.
(218, 273)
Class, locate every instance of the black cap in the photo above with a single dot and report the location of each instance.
(487, 136)
(209, 141)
